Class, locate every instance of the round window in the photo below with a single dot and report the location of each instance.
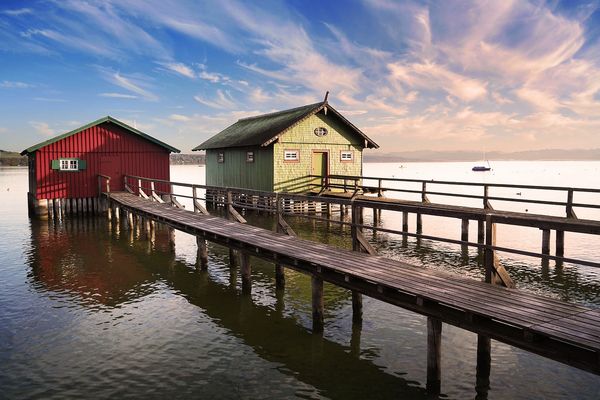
(320, 131)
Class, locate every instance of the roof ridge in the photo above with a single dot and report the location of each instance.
(281, 111)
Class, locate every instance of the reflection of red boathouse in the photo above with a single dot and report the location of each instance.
(81, 258)
(63, 171)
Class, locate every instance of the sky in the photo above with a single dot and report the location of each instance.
(413, 75)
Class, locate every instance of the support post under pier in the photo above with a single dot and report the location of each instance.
(434, 355)
(317, 304)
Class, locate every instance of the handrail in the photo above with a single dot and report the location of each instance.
(342, 183)
(107, 178)
(233, 196)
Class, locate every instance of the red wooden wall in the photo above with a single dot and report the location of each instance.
(101, 146)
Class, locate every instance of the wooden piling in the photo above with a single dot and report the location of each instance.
(464, 230)
(201, 254)
(279, 277)
(545, 241)
(481, 231)
(357, 307)
(560, 243)
(419, 223)
(404, 221)
(434, 355)
(483, 369)
(246, 270)
(317, 304)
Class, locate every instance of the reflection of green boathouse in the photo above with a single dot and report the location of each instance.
(279, 151)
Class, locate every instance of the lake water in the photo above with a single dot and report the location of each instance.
(87, 310)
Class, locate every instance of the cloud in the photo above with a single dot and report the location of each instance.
(15, 85)
(178, 117)
(179, 68)
(118, 95)
(42, 128)
(222, 101)
(50, 99)
(134, 83)
(433, 76)
(17, 12)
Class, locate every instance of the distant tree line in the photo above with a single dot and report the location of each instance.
(12, 159)
(187, 159)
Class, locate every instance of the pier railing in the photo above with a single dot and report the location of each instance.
(426, 188)
(349, 212)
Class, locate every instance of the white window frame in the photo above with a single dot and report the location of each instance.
(69, 164)
(347, 156)
(291, 155)
(321, 131)
(249, 156)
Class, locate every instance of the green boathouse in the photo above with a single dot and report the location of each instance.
(281, 150)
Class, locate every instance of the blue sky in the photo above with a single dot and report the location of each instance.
(436, 75)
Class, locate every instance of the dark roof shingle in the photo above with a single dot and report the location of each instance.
(262, 129)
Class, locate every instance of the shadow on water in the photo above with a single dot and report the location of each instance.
(99, 265)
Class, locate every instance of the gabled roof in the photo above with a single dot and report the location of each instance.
(262, 130)
(98, 122)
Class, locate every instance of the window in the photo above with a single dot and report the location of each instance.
(320, 131)
(220, 157)
(291, 155)
(249, 156)
(69, 165)
(346, 156)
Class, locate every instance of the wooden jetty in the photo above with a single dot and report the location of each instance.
(555, 329)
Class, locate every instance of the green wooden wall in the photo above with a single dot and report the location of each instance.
(293, 176)
(236, 172)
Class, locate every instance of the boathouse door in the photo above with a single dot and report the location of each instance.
(111, 166)
(320, 167)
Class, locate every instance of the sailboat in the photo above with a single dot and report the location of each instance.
(483, 167)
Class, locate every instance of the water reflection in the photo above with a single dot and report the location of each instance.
(98, 266)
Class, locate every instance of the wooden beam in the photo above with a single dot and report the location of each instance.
(434, 355)
(317, 304)
(560, 243)
(464, 230)
(545, 241)
(201, 254)
(484, 363)
(246, 273)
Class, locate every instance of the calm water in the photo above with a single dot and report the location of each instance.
(87, 310)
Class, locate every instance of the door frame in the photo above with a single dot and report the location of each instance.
(312, 167)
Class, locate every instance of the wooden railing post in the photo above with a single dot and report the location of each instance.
(139, 188)
(194, 198)
(152, 191)
(570, 212)
(486, 202)
(379, 191)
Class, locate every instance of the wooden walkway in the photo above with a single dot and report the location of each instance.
(474, 213)
(555, 329)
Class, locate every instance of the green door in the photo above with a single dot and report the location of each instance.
(319, 168)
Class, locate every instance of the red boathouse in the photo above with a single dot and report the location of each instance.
(63, 171)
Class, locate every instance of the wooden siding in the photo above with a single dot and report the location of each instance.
(136, 157)
(293, 176)
(236, 172)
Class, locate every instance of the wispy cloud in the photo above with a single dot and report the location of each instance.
(137, 84)
(42, 128)
(179, 117)
(223, 100)
(15, 85)
(179, 68)
(17, 12)
(118, 95)
(50, 99)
